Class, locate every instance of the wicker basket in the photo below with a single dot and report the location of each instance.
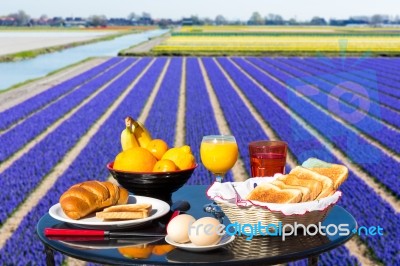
(255, 214)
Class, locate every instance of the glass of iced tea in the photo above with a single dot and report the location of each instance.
(267, 157)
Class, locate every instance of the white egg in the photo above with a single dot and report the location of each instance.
(205, 231)
(178, 228)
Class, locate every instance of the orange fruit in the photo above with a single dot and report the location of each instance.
(181, 156)
(160, 250)
(136, 252)
(135, 160)
(165, 166)
(157, 147)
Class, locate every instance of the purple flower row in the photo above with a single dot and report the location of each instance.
(362, 74)
(357, 196)
(328, 83)
(162, 118)
(276, 119)
(338, 256)
(242, 123)
(89, 164)
(383, 68)
(387, 70)
(363, 121)
(367, 78)
(19, 136)
(18, 112)
(25, 173)
(306, 144)
(199, 119)
(371, 159)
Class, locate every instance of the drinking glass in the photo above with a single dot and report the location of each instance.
(267, 157)
(219, 154)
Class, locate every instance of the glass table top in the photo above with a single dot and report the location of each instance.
(154, 250)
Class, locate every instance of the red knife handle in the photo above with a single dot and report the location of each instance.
(174, 214)
(77, 238)
(73, 232)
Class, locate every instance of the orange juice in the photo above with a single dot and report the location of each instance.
(219, 157)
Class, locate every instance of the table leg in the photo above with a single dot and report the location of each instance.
(49, 256)
(313, 261)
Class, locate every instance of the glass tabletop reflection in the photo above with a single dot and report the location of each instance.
(154, 250)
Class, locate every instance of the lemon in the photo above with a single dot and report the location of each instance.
(181, 156)
(157, 147)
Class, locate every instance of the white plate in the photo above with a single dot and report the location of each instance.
(159, 208)
(225, 240)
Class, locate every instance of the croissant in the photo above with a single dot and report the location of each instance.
(90, 196)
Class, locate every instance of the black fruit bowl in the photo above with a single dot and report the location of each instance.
(158, 185)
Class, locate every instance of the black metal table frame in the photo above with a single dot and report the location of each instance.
(312, 260)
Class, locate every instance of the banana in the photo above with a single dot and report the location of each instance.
(128, 139)
(141, 133)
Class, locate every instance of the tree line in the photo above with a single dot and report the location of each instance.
(21, 18)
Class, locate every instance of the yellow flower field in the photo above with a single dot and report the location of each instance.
(290, 40)
(181, 44)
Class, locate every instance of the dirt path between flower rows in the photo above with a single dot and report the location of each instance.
(29, 145)
(180, 121)
(142, 118)
(356, 248)
(238, 170)
(369, 180)
(13, 222)
(18, 95)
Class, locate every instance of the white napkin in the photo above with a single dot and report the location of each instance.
(236, 193)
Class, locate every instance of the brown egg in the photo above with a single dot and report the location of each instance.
(205, 232)
(178, 228)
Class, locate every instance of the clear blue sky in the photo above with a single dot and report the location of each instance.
(231, 9)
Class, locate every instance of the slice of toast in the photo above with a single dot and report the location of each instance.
(129, 207)
(304, 173)
(267, 192)
(305, 191)
(314, 186)
(336, 172)
(122, 215)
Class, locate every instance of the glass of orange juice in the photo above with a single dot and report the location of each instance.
(219, 154)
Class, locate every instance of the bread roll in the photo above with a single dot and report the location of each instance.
(90, 196)
(123, 196)
(267, 192)
(304, 173)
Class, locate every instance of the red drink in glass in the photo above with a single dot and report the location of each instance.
(267, 157)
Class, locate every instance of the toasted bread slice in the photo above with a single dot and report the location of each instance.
(122, 215)
(305, 191)
(129, 207)
(338, 173)
(267, 192)
(314, 186)
(304, 173)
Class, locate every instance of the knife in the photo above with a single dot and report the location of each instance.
(54, 232)
(57, 233)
